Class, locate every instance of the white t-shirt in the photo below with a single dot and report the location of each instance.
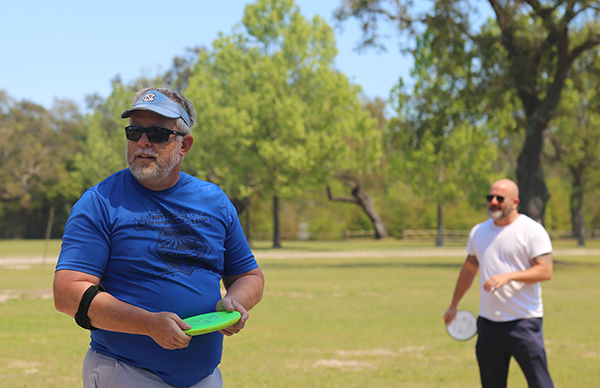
(503, 249)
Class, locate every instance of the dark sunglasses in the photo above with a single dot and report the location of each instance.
(155, 134)
(498, 197)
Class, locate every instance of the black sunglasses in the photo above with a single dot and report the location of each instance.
(155, 134)
(498, 197)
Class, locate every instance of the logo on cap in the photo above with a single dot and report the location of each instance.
(149, 97)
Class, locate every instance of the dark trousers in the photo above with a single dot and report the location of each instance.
(522, 339)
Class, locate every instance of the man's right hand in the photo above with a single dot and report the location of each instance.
(166, 329)
(449, 315)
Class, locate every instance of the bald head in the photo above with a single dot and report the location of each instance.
(507, 186)
(503, 202)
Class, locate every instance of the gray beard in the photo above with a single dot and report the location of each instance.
(495, 215)
(155, 172)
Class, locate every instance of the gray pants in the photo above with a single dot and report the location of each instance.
(100, 371)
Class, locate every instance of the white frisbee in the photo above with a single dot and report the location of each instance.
(463, 327)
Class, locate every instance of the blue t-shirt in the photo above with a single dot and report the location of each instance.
(161, 251)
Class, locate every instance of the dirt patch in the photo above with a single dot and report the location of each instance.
(344, 364)
(354, 360)
(413, 351)
(371, 352)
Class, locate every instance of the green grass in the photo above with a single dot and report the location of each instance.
(40, 347)
(31, 248)
(327, 323)
(391, 243)
(25, 248)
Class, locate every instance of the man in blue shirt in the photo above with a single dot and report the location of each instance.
(147, 247)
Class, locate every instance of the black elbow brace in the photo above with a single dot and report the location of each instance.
(81, 317)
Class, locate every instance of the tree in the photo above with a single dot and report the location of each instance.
(37, 150)
(274, 116)
(104, 144)
(437, 136)
(575, 136)
(25, 128)
(178, 76)
(354, 181)
(361, 198)
(540, 41)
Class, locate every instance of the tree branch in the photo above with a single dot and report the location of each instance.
(26, 171)
(340, 199)
(540, 10)
(559, 149)
(588, 44)
(500, 17)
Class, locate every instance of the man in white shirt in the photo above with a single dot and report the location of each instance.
(513, 254)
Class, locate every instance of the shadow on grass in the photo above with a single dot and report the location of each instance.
(562, 263)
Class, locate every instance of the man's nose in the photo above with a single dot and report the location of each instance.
(144, 141)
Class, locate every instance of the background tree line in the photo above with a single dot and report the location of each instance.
(291, 139)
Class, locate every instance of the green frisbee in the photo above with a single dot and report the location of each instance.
(207, 323)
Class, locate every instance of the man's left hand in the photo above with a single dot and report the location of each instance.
(228, 304)
(496, 281)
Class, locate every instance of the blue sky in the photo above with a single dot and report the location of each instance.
(69, 49)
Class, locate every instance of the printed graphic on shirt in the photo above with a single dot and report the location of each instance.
(179, 245)
(157, 219)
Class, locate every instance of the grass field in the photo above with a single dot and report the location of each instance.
(324, 323)
(51, 249)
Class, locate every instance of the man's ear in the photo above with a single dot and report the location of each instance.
(186, 144)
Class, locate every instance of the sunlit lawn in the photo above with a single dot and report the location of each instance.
(326, 323)
(51, 249)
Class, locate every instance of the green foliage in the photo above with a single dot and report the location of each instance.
(438, 138)
(527, 52)
(325, 220)
(592, 211)
(404, 209)
(275, 117)
(104, 145)
(399, 206)
(26, 130)
(558, 216)
(34, 160)
(575, 136)
(577, 129)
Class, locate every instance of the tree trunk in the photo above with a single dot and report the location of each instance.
(524, 70)
(246, 226)
(365, 201)
(242, 207)
(533, 191)
(48, 232)
(577, 221)
(439, 242)
(276, 231)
